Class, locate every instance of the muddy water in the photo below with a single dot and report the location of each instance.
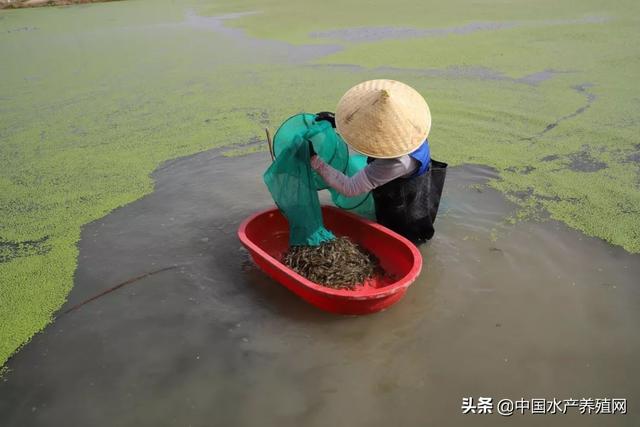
(236, 38)
(532, 310)
(373, 34)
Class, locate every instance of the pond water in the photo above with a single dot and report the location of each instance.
(95, 98)
(529, 310)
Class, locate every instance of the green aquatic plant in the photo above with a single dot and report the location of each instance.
(243, 151)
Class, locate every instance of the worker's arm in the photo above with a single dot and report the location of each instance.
(377, 173)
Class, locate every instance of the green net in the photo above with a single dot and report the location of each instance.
(294, 185)
(327, 143)
(291, 183)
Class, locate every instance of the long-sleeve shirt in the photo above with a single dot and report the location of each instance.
(375, 174)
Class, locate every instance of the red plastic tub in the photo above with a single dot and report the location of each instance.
(266, 237)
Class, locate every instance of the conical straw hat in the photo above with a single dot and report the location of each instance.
(383, 118)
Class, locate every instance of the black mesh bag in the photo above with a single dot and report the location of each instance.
(409, 206)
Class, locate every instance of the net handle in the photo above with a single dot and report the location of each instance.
(270, 143)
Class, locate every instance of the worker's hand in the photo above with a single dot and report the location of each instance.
(327, 116)
(312, 151)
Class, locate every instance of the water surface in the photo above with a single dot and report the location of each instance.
(509, 311)
(96, 97)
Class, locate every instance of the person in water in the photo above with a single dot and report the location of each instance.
(389, 122)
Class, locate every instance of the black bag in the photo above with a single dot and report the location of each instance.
(409, 206)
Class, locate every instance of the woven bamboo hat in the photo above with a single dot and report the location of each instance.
(383, 118)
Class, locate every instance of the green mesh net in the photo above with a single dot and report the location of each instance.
(294, 185)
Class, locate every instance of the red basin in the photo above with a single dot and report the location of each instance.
(266, 237)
